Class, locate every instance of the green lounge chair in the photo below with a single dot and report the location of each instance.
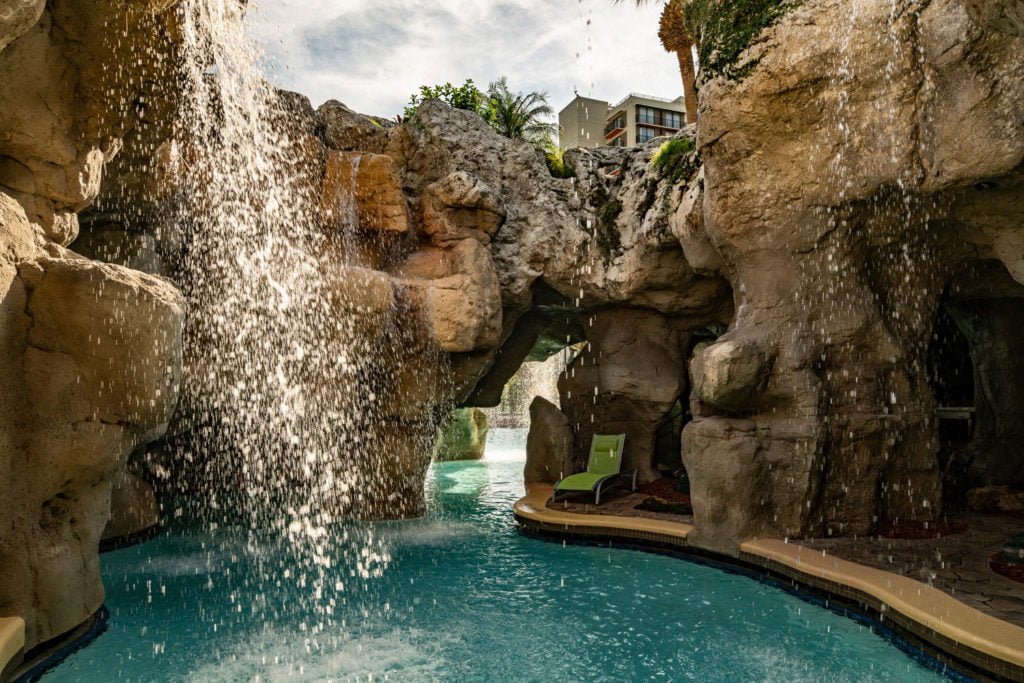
(602, 468)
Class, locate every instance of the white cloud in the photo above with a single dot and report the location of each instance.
(373, 54)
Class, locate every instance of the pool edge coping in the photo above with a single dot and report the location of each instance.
(932, 616)
(12, 641)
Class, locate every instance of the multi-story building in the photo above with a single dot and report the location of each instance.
(581, 123)
(587, 122)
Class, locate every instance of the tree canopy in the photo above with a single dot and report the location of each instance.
(516, 115)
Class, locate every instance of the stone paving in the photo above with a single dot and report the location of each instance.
(955, 564)
(618, 502)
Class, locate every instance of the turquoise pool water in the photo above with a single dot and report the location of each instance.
(463, 598)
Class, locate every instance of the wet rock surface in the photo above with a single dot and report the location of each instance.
(463, 436)
(90, 352)
(839, 257)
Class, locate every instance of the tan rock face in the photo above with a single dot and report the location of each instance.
(127, 339)
(97, 375)
(18, 16)
(364, 191)
(816, 205)
(90, 353)
(55, 143)
(459, 295)
(549, 454)
(1006, 16)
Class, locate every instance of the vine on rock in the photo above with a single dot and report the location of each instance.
(723, 29)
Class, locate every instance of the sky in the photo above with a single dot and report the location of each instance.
(373, 54)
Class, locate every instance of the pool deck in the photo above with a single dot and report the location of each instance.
(12, 640)
(924, 615)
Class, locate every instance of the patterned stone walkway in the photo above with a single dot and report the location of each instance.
(955, 564)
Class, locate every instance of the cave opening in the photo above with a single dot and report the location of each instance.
(951, 377)
(976, 371)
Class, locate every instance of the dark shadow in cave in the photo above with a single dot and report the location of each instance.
(951, 377)
(976, 363)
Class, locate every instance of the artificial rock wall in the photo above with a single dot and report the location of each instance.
(820, 235)
(865, 171)
(89, 352)
(883, 163)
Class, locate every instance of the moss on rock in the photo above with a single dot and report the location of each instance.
(723, 29)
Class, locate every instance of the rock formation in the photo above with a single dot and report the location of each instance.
(813, 414)
(823, 269)
(549, 444)
(463, 436)
(91, 352)
(859, 169)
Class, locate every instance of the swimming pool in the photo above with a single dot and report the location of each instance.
(463, 597)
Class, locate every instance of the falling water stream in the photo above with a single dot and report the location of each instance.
(265, 327)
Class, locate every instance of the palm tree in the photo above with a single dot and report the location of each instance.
(520, 115)
(675, 37)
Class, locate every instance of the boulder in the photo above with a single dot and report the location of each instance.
(463, 436)
(549, 454)
(460, 206)
(363, 192)
(345, 130)
(731, 375)
(95, 320)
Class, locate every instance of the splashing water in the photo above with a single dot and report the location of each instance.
(278, 386)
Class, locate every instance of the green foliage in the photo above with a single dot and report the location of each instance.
(609, 212)
(519, 115)
(516, 115)
(609, 241)
(675, 159)
(555, 158)
(467, 96)
(723, 29)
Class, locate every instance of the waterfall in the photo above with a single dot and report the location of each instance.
(276, 390)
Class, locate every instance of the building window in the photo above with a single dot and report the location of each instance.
(643, 133)
(673, 119)
(619, 141)
(645, 115)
